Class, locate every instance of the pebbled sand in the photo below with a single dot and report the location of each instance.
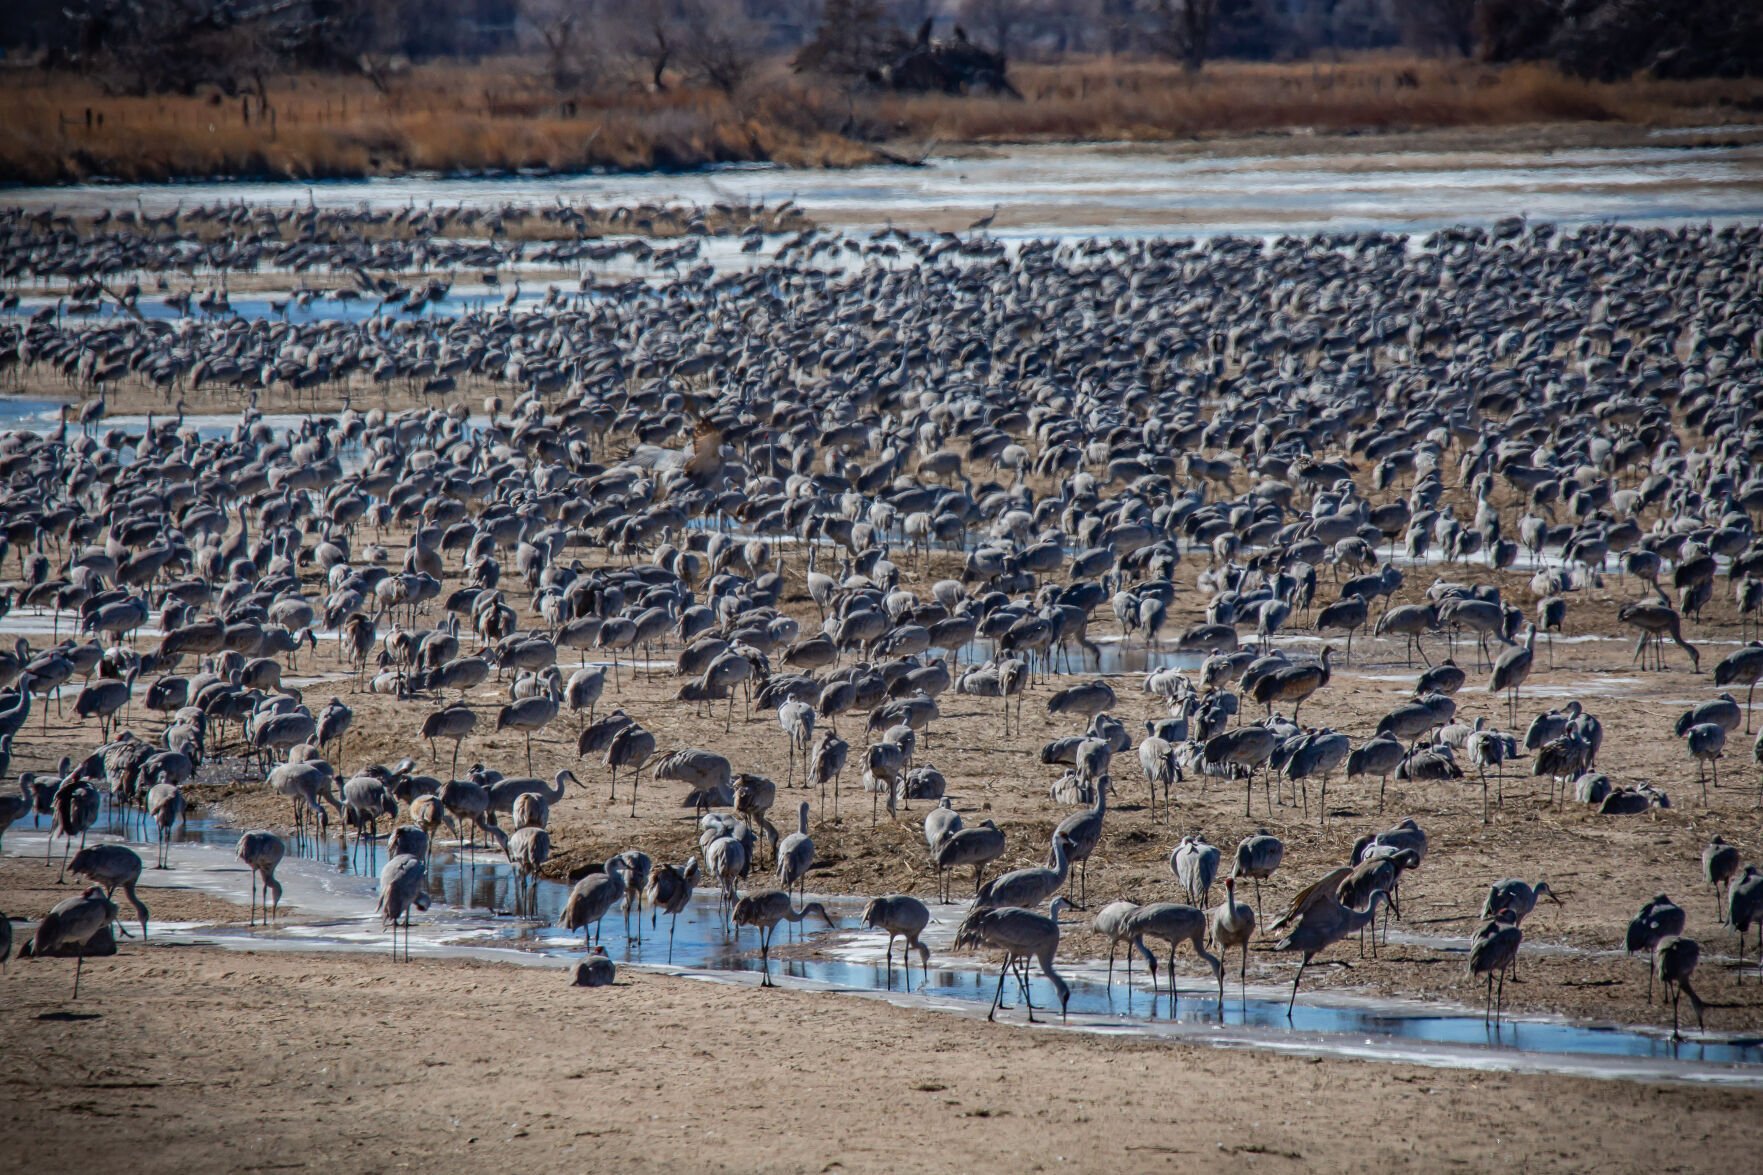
(197, 1060)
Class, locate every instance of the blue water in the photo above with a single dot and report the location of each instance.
(474, 894)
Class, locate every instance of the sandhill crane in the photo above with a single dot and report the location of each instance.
(1257, 858)
(1744, 909)
(1293, 683)
(1028, 887)
(1706, 743)
(765, 910)
(1742, 667)
(1315, 753)
(77, 804)
(1517, 897)
(726, 860)
(596, 970)
(1720, 861)
(13, 807)
(795, 855)
(103, 699)
(633, 747)
(797, 720)
(1379, 756)
(591, 898)
(262, 851)
(1656, 622)
(707, 773)
(1157, 760)
(1658, 920)
(1344, 615)
(902, 917)
(1082, 831)
(1246, 747)
(1317, 920)
(1232, 924)
(528, 849)
(1494, 952)
(1511, 670)
(112, 866)
(583, 689)
(456, 722)
(1022, 935)
(401, 892)
(1174, 924)
(429, 813)
(526, 716)
(333, 723)
(1111, 923)
(1195, 865)
(1674, 961)
(977, 846)
(165, 803)
(670, 892)
(74, 922)
(1410, 622)
(827, 762)
(939, 822)
(1086, 699)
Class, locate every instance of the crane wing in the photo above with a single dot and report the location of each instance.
(1324, 888)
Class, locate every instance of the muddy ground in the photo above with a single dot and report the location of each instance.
(1603, 867)
(334, 1063)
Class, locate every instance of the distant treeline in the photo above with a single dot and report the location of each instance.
(162, 46)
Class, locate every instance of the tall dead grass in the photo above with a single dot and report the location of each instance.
(501, 116)
(1151, 101)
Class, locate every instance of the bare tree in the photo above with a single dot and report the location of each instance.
(1182, 30)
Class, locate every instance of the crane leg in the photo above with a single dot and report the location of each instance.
(1299, 978)
(998, 996)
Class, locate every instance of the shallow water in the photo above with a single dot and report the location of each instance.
(1107, 189)
(333, 896)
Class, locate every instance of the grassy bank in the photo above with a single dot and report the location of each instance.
(503, 116)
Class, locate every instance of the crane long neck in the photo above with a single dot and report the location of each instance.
(128, 888)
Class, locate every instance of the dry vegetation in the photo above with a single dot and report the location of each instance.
(505, 116)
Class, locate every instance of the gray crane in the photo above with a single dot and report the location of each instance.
(596, 970)
(1232, 924)
(1174, 924)
(455, 721)
(1720, 861)
(1660, 918)
(1023, 935)
(1257, 857)
(1493, 952)
(765, 910)
(1317, 919)
(1195, 865)
(1744, 909)
(670, 892)
(795, 855)
(1511, 670)
(402, 891)
(112, 866)
(262, 851)
(528, 849)
(1082, 832)
(977, 846)
(1674, 962)
(591, 898)
(74, 923)
(902, 916)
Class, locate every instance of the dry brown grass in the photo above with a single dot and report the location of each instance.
(501, 115)
(445, 118)
(1102, 100)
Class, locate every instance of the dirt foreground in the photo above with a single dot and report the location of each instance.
(191, 1059)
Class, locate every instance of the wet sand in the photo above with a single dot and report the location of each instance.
(357, 1064)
